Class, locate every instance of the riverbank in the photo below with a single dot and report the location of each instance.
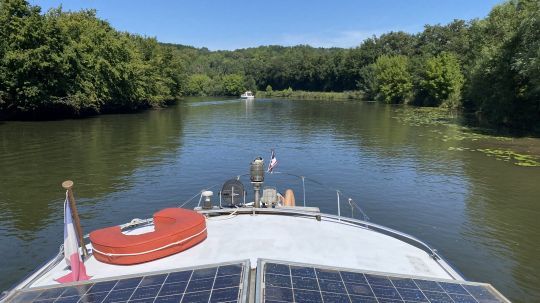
(62, 111)
(59, 110)
(307, 95)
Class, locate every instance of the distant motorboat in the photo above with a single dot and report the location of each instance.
(247, 95)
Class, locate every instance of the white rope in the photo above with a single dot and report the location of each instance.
(229, 216)
(153, 250)
(135, 222)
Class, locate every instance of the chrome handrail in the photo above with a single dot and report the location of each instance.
(364, 222)
(352, 203)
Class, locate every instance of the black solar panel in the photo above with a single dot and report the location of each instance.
(221, 283)
(281, 282)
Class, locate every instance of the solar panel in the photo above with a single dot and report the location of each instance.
(290, 282)
(226, 282)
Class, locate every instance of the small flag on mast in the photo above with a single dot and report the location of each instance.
(273, 162)
(71, 249)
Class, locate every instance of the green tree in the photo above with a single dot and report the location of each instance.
(504, 85)
(453, 37)
(396, 43)
(199, 85)
(72, 63)
(441, 81)
(233, 84)
(393, 81)
(367, 82)
(28, 57)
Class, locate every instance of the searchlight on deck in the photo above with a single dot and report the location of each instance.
(257, 178)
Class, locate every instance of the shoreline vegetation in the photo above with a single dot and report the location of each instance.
(306, 95)
(62, 64)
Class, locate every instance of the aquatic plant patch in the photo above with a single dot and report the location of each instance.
(454, 132)
(508, 155)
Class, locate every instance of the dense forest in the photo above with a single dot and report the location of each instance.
(59, 63)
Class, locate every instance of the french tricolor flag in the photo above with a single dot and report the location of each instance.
(71, 249)
(273, 162)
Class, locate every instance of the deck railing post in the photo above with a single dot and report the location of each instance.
(304, 190)
(338, 205)
(200, 199)
(352, 208)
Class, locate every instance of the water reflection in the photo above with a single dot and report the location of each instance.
(503, 210)
(100, 154)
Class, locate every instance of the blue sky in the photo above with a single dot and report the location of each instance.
(230, 24)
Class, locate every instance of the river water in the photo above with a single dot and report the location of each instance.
(457, 190)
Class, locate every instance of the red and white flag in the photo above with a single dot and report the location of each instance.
(71, 249)
(273, 162)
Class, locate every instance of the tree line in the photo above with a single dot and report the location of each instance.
(73, 62)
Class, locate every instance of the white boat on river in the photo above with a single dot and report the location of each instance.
(247, 95)
(275, 248)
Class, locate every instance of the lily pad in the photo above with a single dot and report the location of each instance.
(516, 158)
(453, 132)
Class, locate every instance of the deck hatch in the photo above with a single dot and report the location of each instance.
(226, 282)
(280, 281)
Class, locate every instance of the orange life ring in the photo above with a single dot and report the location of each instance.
(175, 230)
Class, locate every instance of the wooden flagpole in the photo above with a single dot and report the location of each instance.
(68, 185)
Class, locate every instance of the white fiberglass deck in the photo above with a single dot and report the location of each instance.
(278, 237)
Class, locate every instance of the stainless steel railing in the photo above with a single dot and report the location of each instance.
(352, 204)
(342, 200)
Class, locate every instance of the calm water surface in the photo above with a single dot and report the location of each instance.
(480, 213)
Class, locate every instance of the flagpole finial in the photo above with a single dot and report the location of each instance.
(68, 184)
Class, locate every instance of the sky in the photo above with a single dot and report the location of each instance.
(231, 24)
